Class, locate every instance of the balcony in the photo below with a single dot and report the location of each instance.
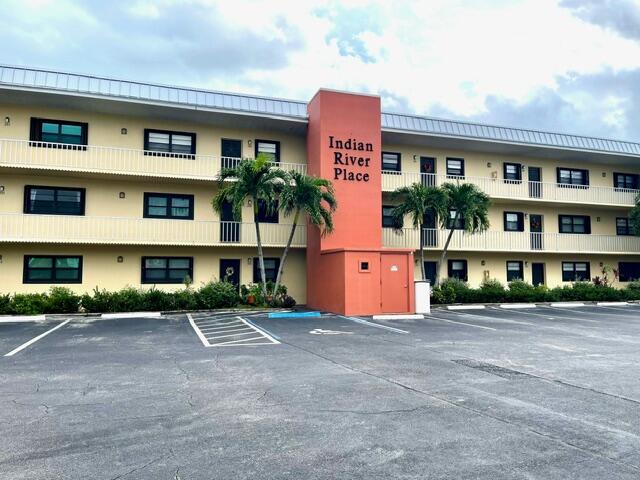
(523, 190)
(116, 161)
(18, 228)
(497, 241)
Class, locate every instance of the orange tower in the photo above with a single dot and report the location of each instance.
(348, 271)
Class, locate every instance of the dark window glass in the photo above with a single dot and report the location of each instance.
(625, 180)
(54, 200)
(574, 224)
(387, 216)
(430, 269)
(267, 215)
(391, 162)
(166, 269)
(514, 221)
(573, 176)
(271, 266)
(269, 148)
(623, 227)
(69, 134)
(230, 152)
(455, 167)
(458, 269)
(452, 222)
(52, 269)
(514, 271)
(512, 172)
(629, 271)
(575, 271)
(163, 142)
(168, 205)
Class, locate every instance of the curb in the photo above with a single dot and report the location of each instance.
(22, 318)
(466, 307)
(113, 316)
(514, 306)
(416, 316)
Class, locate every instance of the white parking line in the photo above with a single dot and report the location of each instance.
(492, 319)
(375, 325)
(229, 331)
(35, 339)
(459, 323)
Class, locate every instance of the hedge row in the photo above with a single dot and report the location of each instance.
(492, 291)
(62, 300)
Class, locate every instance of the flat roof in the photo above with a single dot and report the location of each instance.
(28, 79)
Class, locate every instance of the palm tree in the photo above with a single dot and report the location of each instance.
(251, 179)
(634, 216)
(417, 201)
(470, 209)
(309, 195)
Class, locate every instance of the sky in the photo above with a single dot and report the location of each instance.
(562, 65)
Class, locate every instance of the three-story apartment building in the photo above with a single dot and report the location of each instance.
(108, 183)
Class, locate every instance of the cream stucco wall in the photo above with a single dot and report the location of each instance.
(101, 268)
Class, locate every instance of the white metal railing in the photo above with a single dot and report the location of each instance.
(121, 161)
(137, 231)
(434, 239)
(522, 189)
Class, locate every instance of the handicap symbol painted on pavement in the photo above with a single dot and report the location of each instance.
(320, 331)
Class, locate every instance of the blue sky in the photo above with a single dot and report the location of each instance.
(566, 65)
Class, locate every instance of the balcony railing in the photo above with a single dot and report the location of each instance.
(114, 160)
(520, 189)
(434, 239)
(136, 231)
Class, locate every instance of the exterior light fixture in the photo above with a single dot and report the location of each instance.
(597, 219)
(0, 258)
(1, 188)
(120, 259)
(123, 131)
(122, 195)
(483, 263)
(601, 264)
(415, 158)
(249, 261)
(488, 164)
(604, 174)
(526, 264)
(7, 121)
(249, 142)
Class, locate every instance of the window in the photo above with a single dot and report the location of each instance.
(269, 148)
(623, 227)
(458, 269)
(573, 176)
(513, 222)
(575, 271)
(455, 167)
(430, 269)
(230, 152)
(168, 205)
(514, 271)
(54, 200)
(52, 269)
(70, 134)
(167, 143)
(271, 266)
(387, 216)
(267, 215)
(455, 224)
(574, 224)
(629, 271)
(625, 180)
(166, 269)
(391, 162)
(512, 172)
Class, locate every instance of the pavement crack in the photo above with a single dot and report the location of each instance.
(375, 412)
(137, 469)
(469, 409)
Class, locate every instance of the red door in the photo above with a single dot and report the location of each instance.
(394, 281)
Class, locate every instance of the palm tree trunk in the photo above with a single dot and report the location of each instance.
(443, 257)
(285, 252)
(259, 242)
(424, 274)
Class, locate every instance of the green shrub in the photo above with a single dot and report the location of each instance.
(157, 300)
(632, 291)
(62, 300)
(6, 307)
(491, 291)
(29, 303)
(521, 291)
(99, 302)
(217, 295)
(185, 300)
(127, 300)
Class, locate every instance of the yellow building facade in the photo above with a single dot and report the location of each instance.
(107, 183)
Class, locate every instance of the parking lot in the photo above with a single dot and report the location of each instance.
(540, 393)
